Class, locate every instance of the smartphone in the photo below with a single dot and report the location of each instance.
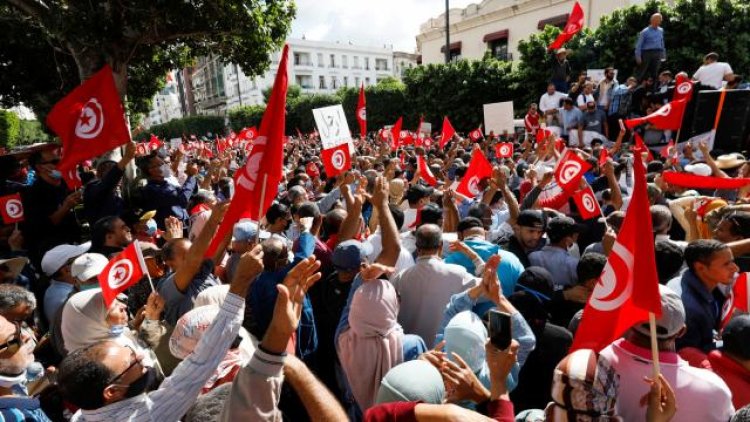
(500, 329)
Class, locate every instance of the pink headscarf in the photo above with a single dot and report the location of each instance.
(373, 343)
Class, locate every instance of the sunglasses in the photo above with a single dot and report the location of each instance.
(136, 361)
(14, 343)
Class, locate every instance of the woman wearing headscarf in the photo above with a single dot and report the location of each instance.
(188, 332)
(87, 320)
(373, 342)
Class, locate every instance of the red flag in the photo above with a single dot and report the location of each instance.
(362, 112)
(665, 151)
(569, 170)
(575, 23)
(693, 181)
(405, 138)
(738, 298)
(259, 177)
(11, 208)
(641, 146)
(683, 88)
(603, 156)
(72, 178)
(479, 168)
(427, 142)
(628, 288)
(504, 150)
(448, 132)
(123, 271)
(248, 133)
(336, 160)
(90, 120)
(476, 134)
(542, 134)
(221, 145)
(154, 143)
(669, 117)
(424, 171)
(587, 204)
(396, 133)
(418, 132)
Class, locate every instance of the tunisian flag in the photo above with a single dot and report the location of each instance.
(263, 167)
(362, 112)
(448, 132)
(72, 178)
(669, 117)
(628, 288)
(11, 208)
(337, 160)
(479, 168)
(569, 170)
(123, 271)
(504, 150)
(683, 88)
(575, 23)
(424, 171)
(90, 120)
(396, 133)
(587, 204)
(739, 299)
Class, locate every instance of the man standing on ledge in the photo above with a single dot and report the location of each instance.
(650, 50)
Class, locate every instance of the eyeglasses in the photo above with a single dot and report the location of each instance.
(14, 343)
(136, 361)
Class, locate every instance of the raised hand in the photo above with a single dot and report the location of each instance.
(174, 228)
(250, 265)
(461, 382)
(661, 399)
(500, 363)
(154, 306)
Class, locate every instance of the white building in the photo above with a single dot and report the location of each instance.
(498, 25)
(318, 67)
(165, 105)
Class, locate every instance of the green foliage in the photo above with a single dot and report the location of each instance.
(292, 92)
(48, 47)
(299, 111)
(31, 131)
(9, 128)
(196, 125)
(245, 116)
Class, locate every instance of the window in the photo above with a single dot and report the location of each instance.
(346, 81)
(356, 62)
(367, 81)
(558, 21)
(322, 82)
(344, 62)
(381, 64)
(304, 81)
(297, 59)
(320, 60)
(356, 81)
(333, 60)
(499, 49)
(367, 63)
(334, 83)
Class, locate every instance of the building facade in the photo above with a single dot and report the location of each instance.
(166, 104)
(498, 25)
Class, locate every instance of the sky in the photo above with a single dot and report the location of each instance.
(367, 22)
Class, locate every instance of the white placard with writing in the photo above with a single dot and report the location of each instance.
(498, 117)
(332, 127)
(596, 75)
(175, 143)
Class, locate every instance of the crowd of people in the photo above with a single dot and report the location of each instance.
(366, 295)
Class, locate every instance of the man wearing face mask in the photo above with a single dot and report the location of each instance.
(555, 258)
(48, 220)
(16, 355)
(101, 196)
(56, 265)
(167, 199)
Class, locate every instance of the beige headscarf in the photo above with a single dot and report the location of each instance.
(373, 343)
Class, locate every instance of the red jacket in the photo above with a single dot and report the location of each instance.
(735, 375)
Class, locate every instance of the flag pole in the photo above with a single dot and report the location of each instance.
(260, 207)
(142, 263)
(654, 346)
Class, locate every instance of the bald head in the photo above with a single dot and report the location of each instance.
(655, 20)
(428, 238)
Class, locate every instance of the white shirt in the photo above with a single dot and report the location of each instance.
(405, 260)
(713, 74)
(701, 394)
(550, 102)
(583, 99)
(425, 290)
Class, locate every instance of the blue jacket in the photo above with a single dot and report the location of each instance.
(168, 200)
(702, 311)
(650, 38)
(508, 271)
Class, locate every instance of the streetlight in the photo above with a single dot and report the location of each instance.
(447, 35)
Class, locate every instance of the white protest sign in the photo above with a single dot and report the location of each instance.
(596, 75)
(175, 143)
(332, 127)
(498, 117)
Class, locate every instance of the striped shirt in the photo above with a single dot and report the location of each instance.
(179, 391)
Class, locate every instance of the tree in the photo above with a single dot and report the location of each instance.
(60, 43)
(177, 128)
(31, 131)
(9, 128)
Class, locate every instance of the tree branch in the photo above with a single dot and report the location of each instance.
(32, 8)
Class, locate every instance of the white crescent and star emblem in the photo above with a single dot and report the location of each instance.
(612, 291)
(569, 171)
(119, 274)
(362, 113)
(684, 88)
(664, 111)
(504, 150)
(338, 160)
(402, 134)
(14, 209)
(91, 121)
(474, 185)
(588, 202)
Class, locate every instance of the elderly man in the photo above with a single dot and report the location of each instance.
(650, 50)
(16, 354)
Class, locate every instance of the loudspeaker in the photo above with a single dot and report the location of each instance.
(732, 131)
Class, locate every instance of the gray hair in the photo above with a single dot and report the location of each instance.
(12, 296)
(661, 217)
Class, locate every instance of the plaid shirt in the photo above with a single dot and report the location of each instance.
(621, 99)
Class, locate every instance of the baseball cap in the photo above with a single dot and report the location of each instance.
(531, 218)
(672, 315)
(560, 227)
(58, 256)
(148, 215)
(736, 336)
(88, 265)
(245, 230)
(350, 254)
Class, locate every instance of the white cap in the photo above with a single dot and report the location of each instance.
(56, 257)
(699, 169)
(88, 265)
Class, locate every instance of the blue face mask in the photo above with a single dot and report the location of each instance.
(84, 287)
(55, 174)
(203, 172)
(151, 227)
(116, 330)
